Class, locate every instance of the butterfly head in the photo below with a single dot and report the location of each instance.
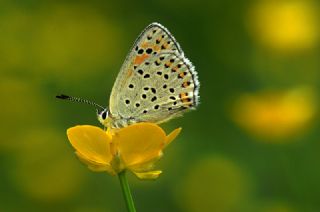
(103, 116)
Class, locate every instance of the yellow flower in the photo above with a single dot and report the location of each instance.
(135, 148)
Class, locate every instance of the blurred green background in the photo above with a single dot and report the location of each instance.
(253, 144)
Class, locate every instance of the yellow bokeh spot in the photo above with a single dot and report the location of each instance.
(213, 184)
(43, 169)
(285, 25)
(277, 114)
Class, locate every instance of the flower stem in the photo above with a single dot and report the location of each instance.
(126, 191)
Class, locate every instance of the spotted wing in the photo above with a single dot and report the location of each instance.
(153, 40)
(160, 89)
(154, 85)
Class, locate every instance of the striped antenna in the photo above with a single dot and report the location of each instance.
(80, 100)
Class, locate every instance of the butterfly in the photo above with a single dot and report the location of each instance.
(155, 84)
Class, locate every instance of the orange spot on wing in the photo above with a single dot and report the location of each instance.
(139, 59)
(144, 45)
(156, 48)
(182, 74)
(184, 97)
(164, 46)
(174, 69)
(129, 72)
(185, 84)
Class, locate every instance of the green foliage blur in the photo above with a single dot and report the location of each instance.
(252, 145)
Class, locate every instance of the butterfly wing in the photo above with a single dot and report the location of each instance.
(156, 81)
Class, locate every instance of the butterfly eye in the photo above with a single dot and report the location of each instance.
(104, 115)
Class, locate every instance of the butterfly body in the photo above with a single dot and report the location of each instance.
(156, 82)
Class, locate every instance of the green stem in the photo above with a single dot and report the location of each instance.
(126, 191)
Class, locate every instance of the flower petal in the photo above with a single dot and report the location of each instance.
(148, 175)
(139, 143)
(92, 143)
(102, 169)
(173, 135)
(94, 166)
(146, 166)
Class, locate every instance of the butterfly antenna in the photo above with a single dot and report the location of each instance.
(77, 99)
